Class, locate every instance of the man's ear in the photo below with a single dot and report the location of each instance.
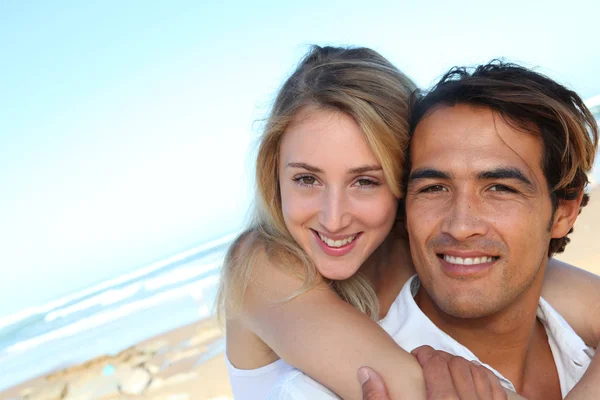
(565, 215)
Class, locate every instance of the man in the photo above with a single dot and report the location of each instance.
(498, 161)
(498, 164)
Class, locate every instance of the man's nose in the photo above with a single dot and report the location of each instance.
(464, 218)
(335, 210)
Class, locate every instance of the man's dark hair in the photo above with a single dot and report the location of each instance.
(533, 103)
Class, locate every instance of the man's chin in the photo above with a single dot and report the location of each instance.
(467, 307)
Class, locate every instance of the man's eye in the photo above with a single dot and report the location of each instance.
(434, 188)
(502, 188)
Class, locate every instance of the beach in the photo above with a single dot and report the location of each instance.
(185, 363)
(188, 362)
(583, 250)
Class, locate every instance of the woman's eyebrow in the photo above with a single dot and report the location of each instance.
(304, 166)
(365, 168)
(357, 170)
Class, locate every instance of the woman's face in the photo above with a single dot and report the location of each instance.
(336, 202)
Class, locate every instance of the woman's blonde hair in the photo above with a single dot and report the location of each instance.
(356, 81)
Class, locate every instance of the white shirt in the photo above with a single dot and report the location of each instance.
(411, 328)
(253, 384)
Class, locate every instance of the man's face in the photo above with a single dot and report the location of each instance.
(479, 213)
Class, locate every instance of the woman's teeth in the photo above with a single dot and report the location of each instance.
(468, 260)
(336, 243)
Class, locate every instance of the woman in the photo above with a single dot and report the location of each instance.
(324, 253)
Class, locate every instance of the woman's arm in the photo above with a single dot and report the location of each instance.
(575, 294)
(325, 337)
(589, 385)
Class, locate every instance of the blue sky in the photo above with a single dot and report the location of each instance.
(125, 127)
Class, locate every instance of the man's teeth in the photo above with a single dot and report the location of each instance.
(336, 243)
(467, 260)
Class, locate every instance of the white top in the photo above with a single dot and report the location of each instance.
(411, 328)
(253, 384)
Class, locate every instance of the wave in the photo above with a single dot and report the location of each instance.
(105, 317)
(112, 315)
(185, 274)
(100, 294)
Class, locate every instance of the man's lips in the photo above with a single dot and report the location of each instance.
(466, 263)
(463, 259)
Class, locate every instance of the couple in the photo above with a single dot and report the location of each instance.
(324, 280)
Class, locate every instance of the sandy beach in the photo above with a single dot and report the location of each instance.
(184, 364)
(188, 362)
(583, 250)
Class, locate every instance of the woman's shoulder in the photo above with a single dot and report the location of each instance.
(264, 252)
(249, 241)
(256, 244)
(259, 272)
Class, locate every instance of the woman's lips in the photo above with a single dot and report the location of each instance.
(340, 250)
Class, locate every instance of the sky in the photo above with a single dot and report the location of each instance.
(127, 128)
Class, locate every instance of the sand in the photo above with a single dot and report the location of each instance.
(188, 363)
(584, 248)
(184, 364)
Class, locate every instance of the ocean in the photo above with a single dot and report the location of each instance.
(112, 315)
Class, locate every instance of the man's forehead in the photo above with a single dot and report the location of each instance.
(466, 142)
(476, 137)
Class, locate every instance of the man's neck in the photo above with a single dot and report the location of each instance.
(509, 340)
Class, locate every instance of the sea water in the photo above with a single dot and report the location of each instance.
(111, 316)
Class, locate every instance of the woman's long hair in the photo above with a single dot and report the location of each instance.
(367, 87)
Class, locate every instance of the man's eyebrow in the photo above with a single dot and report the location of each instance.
(505, 173)
(428, 173)
(304, 166)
